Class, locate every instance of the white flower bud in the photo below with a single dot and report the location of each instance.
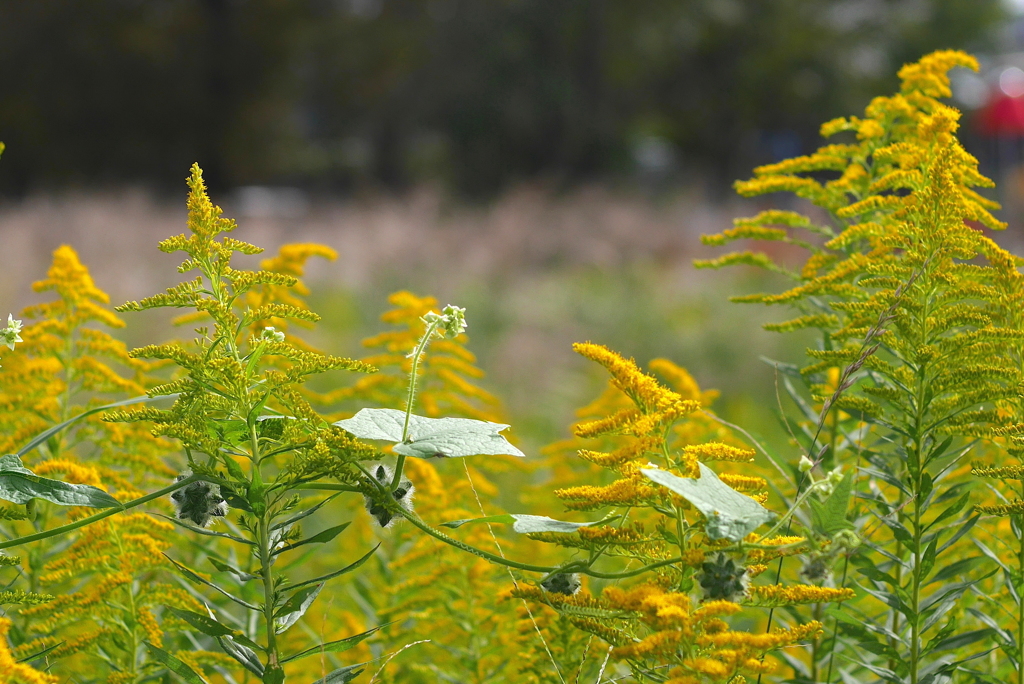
(271, 334)
(806, 464)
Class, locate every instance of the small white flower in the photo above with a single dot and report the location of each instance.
(9, 335)
(806, 464)
(271, 334)
(836, 476)
(455, 320)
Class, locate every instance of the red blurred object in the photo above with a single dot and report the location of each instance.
(1003, 115)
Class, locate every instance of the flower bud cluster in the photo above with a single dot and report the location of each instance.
(723, 579)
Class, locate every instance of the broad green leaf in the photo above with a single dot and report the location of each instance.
(342, 675)
(830, 515)
(295, 607)
(174, 665)
(335, 646)
(243, 654)
(730, 515)
(525, 524)
(430, 437)
(319, 538)
(20, 485)
(336, 573)
(46, 434)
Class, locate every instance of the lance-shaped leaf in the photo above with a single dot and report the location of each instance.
(211, 627)
(46, 434)
(20, 485)
(431, 437)
(318, 538)
(525, 524)
(174, 665)
(240, 575)
(342, 571)
(342, 676)
(335, 646)
(730, 515)
(189, 574)
(295, 607)
(243, 654)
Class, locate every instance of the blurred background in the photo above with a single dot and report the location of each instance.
(549, 164)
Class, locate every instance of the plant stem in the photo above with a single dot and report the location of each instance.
(266, 561)
(421, 346)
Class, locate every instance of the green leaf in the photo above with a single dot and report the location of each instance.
(526, 524)
(189, 574)
(243, 654)
(240, 575)
(319, 538)
(346, 569)
(46, 434)
(40, 654)
(430, 437)
(730, 515)
(829, 516)
(211, 627)
(203, 623)
(959, 567)
(335, 646)
(302, 514)
(204, 531)
(20, 485)
(342, 675)
(174, 665)
(295, 607)
(961, 640)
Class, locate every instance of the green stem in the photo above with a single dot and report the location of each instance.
(266, 560)
(1020, 604)
(18, 541)
(421, 346)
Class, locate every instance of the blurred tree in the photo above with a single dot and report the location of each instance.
(331, 93)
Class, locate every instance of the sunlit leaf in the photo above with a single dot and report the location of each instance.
(20, 485)
(430, 437)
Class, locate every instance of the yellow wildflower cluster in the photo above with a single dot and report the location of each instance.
(14, 672)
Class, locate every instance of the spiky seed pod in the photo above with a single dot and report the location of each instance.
(816, 569)
(402, 495)
(198, 502)
(723, 579)
(567, 583)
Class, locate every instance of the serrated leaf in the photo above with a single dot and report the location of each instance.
(730, 515)
(431, 437)
(243, 654)
(526, 524)
(335, 646)
(342, 675)
(295, 607)
(20, 485)
(830, 515)
(319, 538)
(174, 665)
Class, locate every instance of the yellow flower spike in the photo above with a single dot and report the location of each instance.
(779, 595)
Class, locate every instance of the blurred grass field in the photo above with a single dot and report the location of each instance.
(536, 272)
